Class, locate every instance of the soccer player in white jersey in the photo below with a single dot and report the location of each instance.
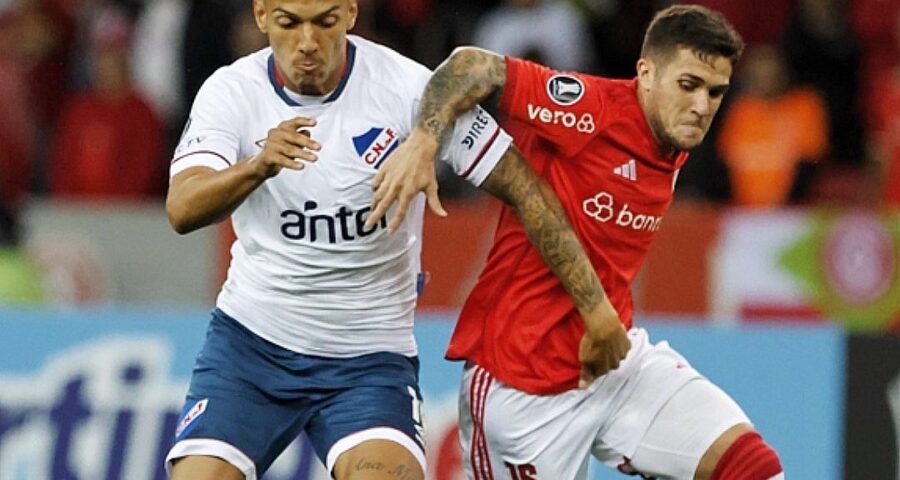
(313, 327)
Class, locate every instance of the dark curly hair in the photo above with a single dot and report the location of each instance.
(704, 31)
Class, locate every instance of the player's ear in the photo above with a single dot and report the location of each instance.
(646, 71)
(353, 11)
(259, 13)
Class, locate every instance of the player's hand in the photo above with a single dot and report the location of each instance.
(408, 171)
(604, 344)
(288, 145)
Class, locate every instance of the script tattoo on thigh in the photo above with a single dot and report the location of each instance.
(400, 472)
(366, 464)
(403, 472)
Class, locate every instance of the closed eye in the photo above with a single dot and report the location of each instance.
(286, 22)
(687, 86)
(326, 22)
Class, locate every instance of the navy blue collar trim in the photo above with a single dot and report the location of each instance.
(280, 89)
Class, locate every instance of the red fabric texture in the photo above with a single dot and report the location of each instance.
(588, 137)
(748, 458)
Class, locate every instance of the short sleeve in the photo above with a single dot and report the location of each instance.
(211, 134)
(564, 108)
(476, 146)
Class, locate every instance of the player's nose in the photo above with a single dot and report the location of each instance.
(702, 104)
(306, 43)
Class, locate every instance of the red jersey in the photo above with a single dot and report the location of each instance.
(588, 138)
(108, 148)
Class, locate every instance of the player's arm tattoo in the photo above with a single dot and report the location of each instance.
(465, 79)
(547, 227)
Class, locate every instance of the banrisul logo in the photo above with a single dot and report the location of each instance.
(376, 144)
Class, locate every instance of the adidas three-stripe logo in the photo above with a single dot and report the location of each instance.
(627, 170)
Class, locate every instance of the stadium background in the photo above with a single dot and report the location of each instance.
(782, 284)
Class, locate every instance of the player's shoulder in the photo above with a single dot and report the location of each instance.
(386, 67)
(615, 90)
(618, 97)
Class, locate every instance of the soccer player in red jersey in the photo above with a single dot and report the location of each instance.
(538, 396)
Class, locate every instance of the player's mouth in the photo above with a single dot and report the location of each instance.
(307, 67)
(694, 126)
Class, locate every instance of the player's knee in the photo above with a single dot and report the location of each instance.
(748, 457)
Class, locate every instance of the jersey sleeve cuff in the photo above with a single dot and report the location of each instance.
(488, 158)
(204, 158)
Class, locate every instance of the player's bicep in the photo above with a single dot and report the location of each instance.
(182, 178)
(480, 73)
(180, 184)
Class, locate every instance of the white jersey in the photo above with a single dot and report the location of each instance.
(305, 274)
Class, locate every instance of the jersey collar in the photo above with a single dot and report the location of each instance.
(277, 81)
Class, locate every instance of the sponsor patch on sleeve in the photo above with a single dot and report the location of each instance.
(565, 89)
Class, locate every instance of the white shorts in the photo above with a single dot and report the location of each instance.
(653, 415)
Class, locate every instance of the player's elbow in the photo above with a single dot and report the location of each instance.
(180, 226)
(468, 53)
(463, 59)
(465, 53)
(179, 217)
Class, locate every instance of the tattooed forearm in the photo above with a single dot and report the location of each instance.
(466, 78)
(547, 227)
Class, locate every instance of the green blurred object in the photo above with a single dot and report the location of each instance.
(849, 266)
(20, 280)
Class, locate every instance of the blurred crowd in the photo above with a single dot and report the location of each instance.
(94, 93)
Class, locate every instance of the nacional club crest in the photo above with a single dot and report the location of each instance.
(375, 145)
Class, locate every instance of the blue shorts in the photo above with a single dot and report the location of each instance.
(249, 398)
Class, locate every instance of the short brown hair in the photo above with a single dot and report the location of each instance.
(697, 28)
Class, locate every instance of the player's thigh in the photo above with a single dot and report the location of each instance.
(690, 425)
(200, 467)
(388, 410)
(509, 434)
(376, 460)
(229, 413)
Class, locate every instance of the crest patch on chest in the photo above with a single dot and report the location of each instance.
(375, 145)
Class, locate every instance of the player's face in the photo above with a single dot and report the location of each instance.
(309, 39)
(681, 95)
